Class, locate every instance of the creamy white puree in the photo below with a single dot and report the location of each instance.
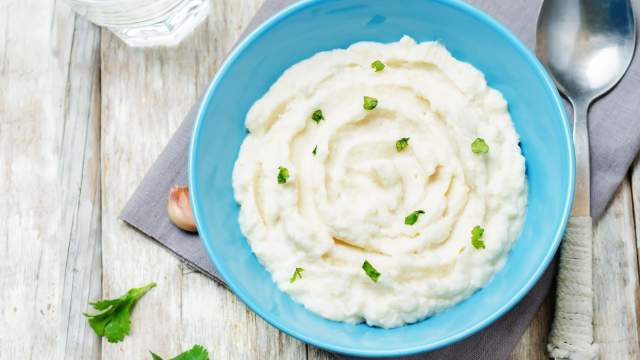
(348, 202)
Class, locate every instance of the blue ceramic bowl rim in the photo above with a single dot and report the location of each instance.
(354, 351)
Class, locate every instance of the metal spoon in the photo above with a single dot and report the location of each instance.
(587, 46)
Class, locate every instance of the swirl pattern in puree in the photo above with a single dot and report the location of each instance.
(349, 188)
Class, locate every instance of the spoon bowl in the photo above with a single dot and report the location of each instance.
(587, 45)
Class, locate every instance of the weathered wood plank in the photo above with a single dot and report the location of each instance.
(615, 281)
(50, 169)
(146, 93)
(50, 178)
(635, 197)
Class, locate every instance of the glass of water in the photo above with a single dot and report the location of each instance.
(145, 22)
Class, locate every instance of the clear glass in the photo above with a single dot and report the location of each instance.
(145, 22)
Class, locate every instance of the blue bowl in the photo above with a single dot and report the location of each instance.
(312, 26)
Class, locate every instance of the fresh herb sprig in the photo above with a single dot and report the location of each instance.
(317, 116)
(283, 174)
(402, 144)
(370, 271)
(297, 274)
(114, 319)
(476, 237)
(413, 217)
(479, 146)
(377, 65)
(370, 103)
(197, 352)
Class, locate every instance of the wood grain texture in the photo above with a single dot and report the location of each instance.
(615, 279)
(50, 178)
(76, 139)
(635, 197)
(146, 93)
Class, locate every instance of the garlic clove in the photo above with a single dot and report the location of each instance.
(179, 208)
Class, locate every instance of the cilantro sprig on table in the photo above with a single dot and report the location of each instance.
(197, 352)
(114, 319)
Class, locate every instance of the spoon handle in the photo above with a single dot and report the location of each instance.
(581, 199)
(571, 335)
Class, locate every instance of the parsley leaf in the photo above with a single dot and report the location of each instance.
(413, 217)
(317, 116)
(370, 103)
(478, 146)
(370, 271)
(283, 174)
(297, 274)
(476, 237)
(197, 352)
(402, 144)
(377, 65)
(114, 321)
(315, 149)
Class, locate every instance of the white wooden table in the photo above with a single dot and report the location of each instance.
(82, 117)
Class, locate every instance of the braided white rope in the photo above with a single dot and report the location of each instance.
(571, 334)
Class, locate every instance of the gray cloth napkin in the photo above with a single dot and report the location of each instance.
(615, 140)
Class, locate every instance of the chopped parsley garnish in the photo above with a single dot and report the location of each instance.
(413, 217)
(317, 116)
(315, 149)
(402, 144)
(114, 320)
(476, 237)
(371, 271)
(283, 174)
(297, 274)
(377, 65)
(197, 352)
(370, 103)
(478, 146)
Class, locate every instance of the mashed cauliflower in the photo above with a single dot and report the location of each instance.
(327, 180)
